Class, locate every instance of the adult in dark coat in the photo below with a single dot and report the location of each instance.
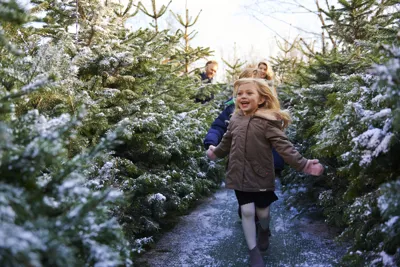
(209, 72)
(207, 77)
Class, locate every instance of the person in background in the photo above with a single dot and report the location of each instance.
(209, 72)
(248, 73)
(265, 72)
(207, 77)
(255, 128)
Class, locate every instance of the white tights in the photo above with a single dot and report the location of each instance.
(249, 226)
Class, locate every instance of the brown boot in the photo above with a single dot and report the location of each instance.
(263, 238)
(256, 259)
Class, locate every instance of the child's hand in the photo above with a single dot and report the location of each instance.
(313, 167)
(210, 153)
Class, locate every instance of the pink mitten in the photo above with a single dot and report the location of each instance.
(313, 167)
(210, 153)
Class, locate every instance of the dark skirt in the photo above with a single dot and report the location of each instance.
(260, 199)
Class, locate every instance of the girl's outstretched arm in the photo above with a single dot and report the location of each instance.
(291, 156)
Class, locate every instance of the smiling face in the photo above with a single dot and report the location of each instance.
(211, 70)
(248, 98)
(262, 71)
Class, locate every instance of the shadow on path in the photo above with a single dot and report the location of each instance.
(212, 236)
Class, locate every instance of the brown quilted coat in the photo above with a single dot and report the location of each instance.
(248, 142)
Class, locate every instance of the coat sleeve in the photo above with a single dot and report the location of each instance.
(284, 147)
(218, 128)
(222, 150)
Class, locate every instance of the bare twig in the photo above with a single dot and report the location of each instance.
(323, 24)
(271, 29)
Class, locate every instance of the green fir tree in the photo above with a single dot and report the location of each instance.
(345, 112)
(122, 80)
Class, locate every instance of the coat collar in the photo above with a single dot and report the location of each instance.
(264, 114)
(267, 114)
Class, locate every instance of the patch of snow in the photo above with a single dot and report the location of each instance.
(392, 221)
(156, 197)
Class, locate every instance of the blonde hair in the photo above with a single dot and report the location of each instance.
(247, 73)
(270, 72)
(271, 103)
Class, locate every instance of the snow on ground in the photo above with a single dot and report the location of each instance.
(212, 236)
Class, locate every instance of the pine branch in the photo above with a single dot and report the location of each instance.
(127, 9)
(156, 14)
